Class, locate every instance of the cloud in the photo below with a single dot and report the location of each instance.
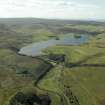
(69, 9)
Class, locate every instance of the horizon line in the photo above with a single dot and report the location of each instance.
(100, 20)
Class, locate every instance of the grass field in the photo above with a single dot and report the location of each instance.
(87, 75)
(83, 71)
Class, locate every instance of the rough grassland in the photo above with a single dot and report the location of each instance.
(87, 75)
(83, 71)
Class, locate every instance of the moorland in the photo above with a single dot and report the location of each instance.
(77, 80)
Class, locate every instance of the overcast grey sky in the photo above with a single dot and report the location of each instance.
(63, 9)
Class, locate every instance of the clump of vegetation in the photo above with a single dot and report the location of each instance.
(71, 97)
(30, 98)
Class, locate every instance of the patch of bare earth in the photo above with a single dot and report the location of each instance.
(102, 102)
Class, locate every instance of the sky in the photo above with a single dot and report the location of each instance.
(57, 9)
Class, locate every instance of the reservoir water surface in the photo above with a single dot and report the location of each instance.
(36, 49)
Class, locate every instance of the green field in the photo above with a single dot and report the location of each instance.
(81, 77)
(86, 77)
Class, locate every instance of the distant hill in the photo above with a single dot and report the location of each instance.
(42, 21)
(5, 30)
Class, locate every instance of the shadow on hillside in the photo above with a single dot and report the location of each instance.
(85, 65)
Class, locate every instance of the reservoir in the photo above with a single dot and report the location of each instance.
(36, 49)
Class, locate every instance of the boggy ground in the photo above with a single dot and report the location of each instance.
(83, 71)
